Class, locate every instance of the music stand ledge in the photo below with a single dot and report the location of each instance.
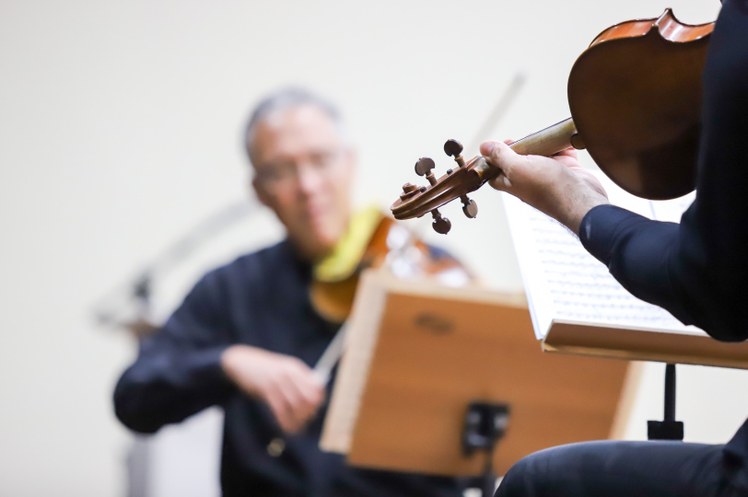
(419, 354)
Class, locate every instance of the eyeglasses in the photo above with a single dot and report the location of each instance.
(282, 175)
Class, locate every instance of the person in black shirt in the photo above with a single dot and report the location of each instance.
(246, 336)
(696, 270)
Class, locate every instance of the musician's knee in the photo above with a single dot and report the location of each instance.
(523, 478)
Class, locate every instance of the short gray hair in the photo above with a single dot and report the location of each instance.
(287, 98)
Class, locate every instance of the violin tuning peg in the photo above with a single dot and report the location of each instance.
(424, 166)
(469, 207)
(441, 225)
(453, 148)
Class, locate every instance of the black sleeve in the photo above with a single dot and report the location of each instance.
(177, 372)
(643, 255)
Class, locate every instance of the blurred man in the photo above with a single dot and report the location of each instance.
(246, 335)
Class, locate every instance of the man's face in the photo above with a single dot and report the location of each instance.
(304, 172)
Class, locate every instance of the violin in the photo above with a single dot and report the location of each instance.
(635, 101)
(375, 241)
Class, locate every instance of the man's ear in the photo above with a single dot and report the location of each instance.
(262, 195)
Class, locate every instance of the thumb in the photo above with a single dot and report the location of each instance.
(499, 155)
(487, 147)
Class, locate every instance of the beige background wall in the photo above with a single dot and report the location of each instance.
(120, 130)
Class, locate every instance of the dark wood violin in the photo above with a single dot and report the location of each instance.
(635, 101)
(383, 243)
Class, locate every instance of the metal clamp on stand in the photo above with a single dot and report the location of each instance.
(485, 424)
(668, 428)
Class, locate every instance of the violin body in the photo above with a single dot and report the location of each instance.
(389, 245)
(635, 101)
(332, 298)
(635, 98)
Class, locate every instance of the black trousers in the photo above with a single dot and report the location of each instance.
(627, 469)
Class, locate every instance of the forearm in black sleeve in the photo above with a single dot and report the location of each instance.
(178, 371)
(668, 265)
(638, 253)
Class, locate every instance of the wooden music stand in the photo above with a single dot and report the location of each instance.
(418, 354)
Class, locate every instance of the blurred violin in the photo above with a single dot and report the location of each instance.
(374, 241)
(635, 101)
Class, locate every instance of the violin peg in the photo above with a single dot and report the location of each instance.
(453, 148)
(469, 207)
(424, 166)
(441, 225)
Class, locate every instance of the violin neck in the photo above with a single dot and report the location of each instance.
(550, 140)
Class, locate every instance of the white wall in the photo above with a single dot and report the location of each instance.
(119, 130)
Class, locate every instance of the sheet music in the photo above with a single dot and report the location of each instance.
(565, 283)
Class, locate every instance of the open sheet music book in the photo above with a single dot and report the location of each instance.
(577, 306)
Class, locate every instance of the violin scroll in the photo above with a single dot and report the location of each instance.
(416, 201)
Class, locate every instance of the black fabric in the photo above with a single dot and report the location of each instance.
(260, 299)
(698, 271)
(627, 469)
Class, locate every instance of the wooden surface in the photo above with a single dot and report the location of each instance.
(645, 345)
(435, 355)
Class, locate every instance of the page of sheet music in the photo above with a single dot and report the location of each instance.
(565, 283)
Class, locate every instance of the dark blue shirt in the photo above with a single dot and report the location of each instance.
(698, 269)
(260, 299)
